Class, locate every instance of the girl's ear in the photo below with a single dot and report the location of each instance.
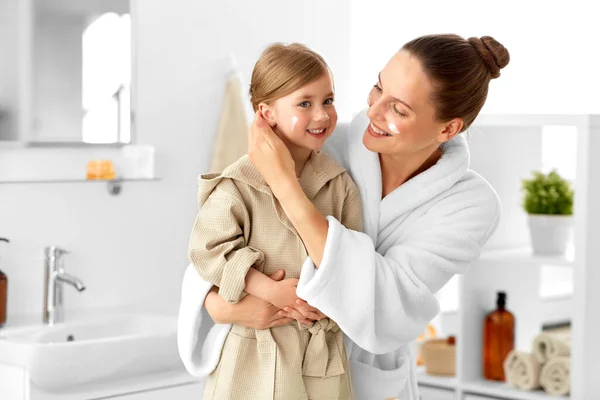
(268, 114)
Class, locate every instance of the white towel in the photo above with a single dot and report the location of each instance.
(231, 140)
(522, 370)
(549, 345)
(555, 377)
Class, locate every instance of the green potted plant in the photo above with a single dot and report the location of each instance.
(548, 199)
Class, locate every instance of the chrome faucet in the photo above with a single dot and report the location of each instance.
(55, 276)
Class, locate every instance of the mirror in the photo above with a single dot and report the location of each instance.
(72, 81)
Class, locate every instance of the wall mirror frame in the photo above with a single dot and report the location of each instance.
(68, 77)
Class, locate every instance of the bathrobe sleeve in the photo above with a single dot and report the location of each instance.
(218, 245)
(384, 301)
(199, 338)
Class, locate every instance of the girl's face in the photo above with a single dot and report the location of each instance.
(403, 118)
(305, 117)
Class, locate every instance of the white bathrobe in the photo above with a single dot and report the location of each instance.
(379, 285)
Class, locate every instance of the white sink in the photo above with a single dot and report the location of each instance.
(72, 354)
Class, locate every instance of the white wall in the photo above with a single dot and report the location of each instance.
(489, 148)
(553, 47)
(83, 8)
(132, 249)
(8, 69)
(247, 27)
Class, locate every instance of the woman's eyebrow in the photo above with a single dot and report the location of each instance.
(398, 100)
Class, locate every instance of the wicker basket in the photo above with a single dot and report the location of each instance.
(439, 356)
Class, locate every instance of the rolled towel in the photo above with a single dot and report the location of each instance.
(555, 377)
(546, 346)
(522, 370)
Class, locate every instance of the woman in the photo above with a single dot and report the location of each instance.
(426, 215)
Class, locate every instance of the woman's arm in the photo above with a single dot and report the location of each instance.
(384, 301)
(311, 225)
(274, 161)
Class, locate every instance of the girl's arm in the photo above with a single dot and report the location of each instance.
(217, 245)
(219, 252)
(251, 312)
(281, 294)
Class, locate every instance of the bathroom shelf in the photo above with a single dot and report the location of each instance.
(511, 150)
(525, 256)
(482, 387)
(504, 391)
(444, 382)
(486, 389)
(114, 186)
(77, 180)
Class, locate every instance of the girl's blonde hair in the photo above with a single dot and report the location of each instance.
(281, 69)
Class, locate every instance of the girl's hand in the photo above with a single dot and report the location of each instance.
(284, 296)
(251, 312)
(283, 293)
(271, 157)
(302, 312)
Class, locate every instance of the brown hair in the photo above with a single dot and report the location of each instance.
(282, 69)
(461, 70)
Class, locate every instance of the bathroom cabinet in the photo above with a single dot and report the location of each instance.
(183, 392)
(16, 385)
(504, 150)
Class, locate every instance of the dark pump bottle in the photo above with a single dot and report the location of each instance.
(498, 339)
(3, 293)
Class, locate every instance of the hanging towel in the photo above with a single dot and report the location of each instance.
(547, 345)
(231, 140)
(522, 370)
(555, 377)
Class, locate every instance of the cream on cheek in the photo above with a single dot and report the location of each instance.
(294, 122)
(393, 128)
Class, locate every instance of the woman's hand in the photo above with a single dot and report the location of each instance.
(271, 157)
(250, 312)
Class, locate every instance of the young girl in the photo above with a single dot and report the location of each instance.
(241, 235)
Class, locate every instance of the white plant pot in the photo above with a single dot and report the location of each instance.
(550, 234)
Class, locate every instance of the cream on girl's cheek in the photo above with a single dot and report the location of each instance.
(294, 122)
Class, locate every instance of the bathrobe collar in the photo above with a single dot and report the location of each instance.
(318, 171)
(364, 166)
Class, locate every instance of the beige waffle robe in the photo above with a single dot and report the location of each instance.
(240, 225)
